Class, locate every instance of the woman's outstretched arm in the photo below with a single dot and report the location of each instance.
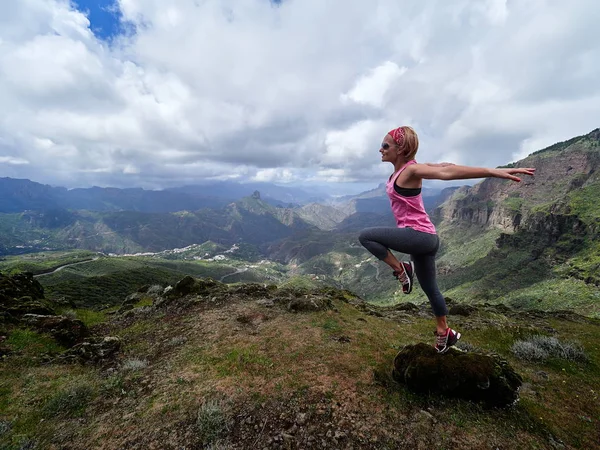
(455, 172)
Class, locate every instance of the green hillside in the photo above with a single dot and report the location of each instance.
(551, 259)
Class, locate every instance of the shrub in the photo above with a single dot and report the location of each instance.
(134, 364)
(114, 385)
(70, 403)
(541, 348)
(5, 427)
(212, 421)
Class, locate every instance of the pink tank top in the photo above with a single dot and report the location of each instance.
(408, 211)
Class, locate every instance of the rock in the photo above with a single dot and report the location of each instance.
(21, 294)
(407, 306)
(132, 299)
(124, 309)
(461, 310)
(20, 285)
(66, 331)
(18, 307)
(309, 303)
(473, 376)
(253, 290)
(189, 285)
(92, 350)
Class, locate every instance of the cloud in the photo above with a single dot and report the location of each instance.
(287, 92)
(372, 88)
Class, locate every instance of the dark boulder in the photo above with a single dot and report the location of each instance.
(304, 300)
(204, 286)
(18, 307)
(20, 285)
(472, 376)
(461, 310)
(309, 303)
(21, 294)
(66, 331)
(406, 306)
(253, 290)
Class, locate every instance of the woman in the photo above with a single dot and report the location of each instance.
(415, 234)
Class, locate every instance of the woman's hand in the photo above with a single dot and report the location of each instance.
(509, 173)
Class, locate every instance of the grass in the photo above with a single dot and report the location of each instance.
(293, 359)
(32, 344)
(41, 262)
(70, 402)
(556, 294)
(584, 203)
(106, 282)
(463, 250)
(88, 316)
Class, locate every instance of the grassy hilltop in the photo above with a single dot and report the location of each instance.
(240, 367)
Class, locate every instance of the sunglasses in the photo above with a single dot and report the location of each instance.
(385, 146)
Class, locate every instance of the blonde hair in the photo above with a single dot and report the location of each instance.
(410, 143)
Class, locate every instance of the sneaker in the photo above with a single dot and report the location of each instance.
(444, 341)
(405, 276)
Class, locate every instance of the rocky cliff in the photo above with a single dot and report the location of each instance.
(561, 170)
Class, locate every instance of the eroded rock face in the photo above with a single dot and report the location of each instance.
(472, 376)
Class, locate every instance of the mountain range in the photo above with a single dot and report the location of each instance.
(502, 241)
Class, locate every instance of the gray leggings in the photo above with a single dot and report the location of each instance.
(422, 248)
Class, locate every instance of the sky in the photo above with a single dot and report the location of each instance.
(163, 93)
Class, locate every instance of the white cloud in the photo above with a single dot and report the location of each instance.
(12, 160)
(371, 89)
(304, 90)
(274, 175)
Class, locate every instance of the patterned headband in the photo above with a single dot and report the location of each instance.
(398, 136)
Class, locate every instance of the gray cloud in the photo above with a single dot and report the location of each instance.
(299, 92)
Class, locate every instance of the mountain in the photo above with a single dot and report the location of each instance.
(531, 243)
(271, 193)
(249, 220)
(377, 201)
(18, 195)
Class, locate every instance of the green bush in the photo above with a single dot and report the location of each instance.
(71, 402)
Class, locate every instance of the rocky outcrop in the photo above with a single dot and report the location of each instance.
(472, 376)
(66, 331)
(497, 203)
(22, 305)
(21, 294)
(92, 351)
(189, 291)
